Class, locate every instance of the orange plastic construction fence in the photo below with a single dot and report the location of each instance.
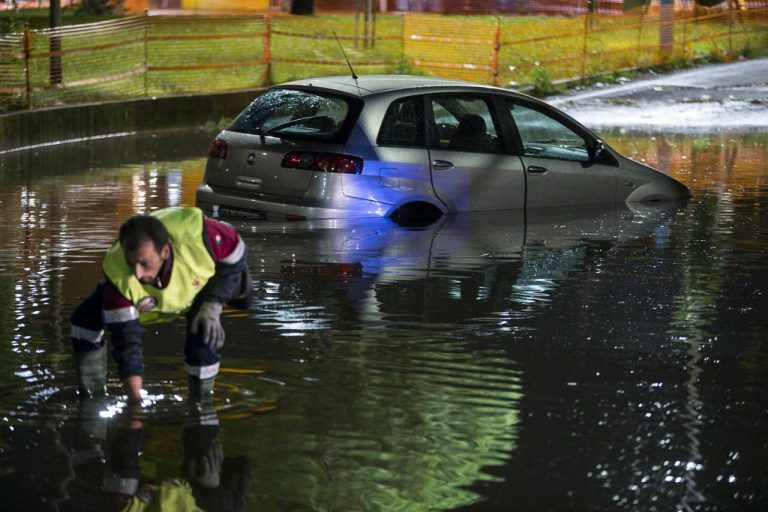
(144, 56)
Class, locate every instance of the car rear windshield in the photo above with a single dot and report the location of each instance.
(291, 113)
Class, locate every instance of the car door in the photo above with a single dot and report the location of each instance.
(556, 156)
(472, 169)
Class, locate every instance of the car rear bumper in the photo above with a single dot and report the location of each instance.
(343, 208)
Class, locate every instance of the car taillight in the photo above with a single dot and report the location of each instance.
(218, 148)
(323, 162)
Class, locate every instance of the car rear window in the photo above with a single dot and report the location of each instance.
(291, 113)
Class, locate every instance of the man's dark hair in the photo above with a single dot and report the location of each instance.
(140, 228)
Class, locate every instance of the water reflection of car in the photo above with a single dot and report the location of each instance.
(462, 261)
(384, 146)
(405, 328)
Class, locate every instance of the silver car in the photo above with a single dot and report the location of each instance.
(412, 147)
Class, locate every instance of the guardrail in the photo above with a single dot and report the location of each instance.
(148, 56)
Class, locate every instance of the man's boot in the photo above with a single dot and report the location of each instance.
(200, 389)
(92, 372)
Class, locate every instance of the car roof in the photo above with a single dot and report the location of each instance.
(367, 85)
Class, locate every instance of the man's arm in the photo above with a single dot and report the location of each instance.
(230, 281)
(229, 253)
(122, 319)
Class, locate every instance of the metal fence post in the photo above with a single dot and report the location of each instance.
(367, 23)
(27, 53)
(146, 53)
(666, 29)
(54, 44)
(373, 25)
(402, 45)
(640, 23)
(685, 36)
(496, 51)
(267, 50)
(587, 23)
(357, 20)
(730, 27)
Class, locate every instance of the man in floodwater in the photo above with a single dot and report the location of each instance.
(174, 261)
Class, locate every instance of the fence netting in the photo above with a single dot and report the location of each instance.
(144, 56)
(302, 47)
(190, 54)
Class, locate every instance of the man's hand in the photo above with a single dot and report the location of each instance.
(132, 386)
(205, 470)
(208, 323)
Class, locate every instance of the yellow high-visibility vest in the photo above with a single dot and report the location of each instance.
(193, 266)
(174, 494)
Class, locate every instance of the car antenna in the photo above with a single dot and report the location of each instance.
(354, 75)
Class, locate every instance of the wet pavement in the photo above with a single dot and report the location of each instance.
(601, 358)
(709, 98)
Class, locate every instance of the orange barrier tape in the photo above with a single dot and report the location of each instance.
(721, 35)
(88, 49)
(90, 81)
(538, 39)
(338, 62)
(331, 38)
(437, 39)
(208, 66)
(428, 41)
(527, 65)
(207, 36)
(453, 65)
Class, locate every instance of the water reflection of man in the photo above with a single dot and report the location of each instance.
(173, 261)
(208, 482)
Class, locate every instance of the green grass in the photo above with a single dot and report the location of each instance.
(614, 44)
(39, 18)
(535, 51)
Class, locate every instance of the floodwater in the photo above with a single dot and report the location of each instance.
(592, 358)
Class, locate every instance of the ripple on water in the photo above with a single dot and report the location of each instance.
(413, 420)
(46, 398)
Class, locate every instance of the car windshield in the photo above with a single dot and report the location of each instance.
(292, 113)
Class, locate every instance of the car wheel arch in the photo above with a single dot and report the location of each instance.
(416, 212)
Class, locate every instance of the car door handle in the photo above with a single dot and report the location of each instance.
(442, 165)
(535, 169)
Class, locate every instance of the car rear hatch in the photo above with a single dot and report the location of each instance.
(279, 123)
(256, 168)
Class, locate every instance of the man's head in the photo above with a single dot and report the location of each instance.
(144, 240)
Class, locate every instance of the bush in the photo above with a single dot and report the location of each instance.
(542, 83)
(100, 7)
(9, 20)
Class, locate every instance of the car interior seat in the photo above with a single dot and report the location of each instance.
(471, 134)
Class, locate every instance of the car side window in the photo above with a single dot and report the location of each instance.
(464, 124)
(545, 137)
(403, 123)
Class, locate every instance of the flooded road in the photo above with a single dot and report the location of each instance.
(568, 359)
(706, 99)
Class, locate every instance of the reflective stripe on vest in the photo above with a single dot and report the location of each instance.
(192, 266)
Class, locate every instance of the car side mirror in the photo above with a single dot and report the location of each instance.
(597, 151)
